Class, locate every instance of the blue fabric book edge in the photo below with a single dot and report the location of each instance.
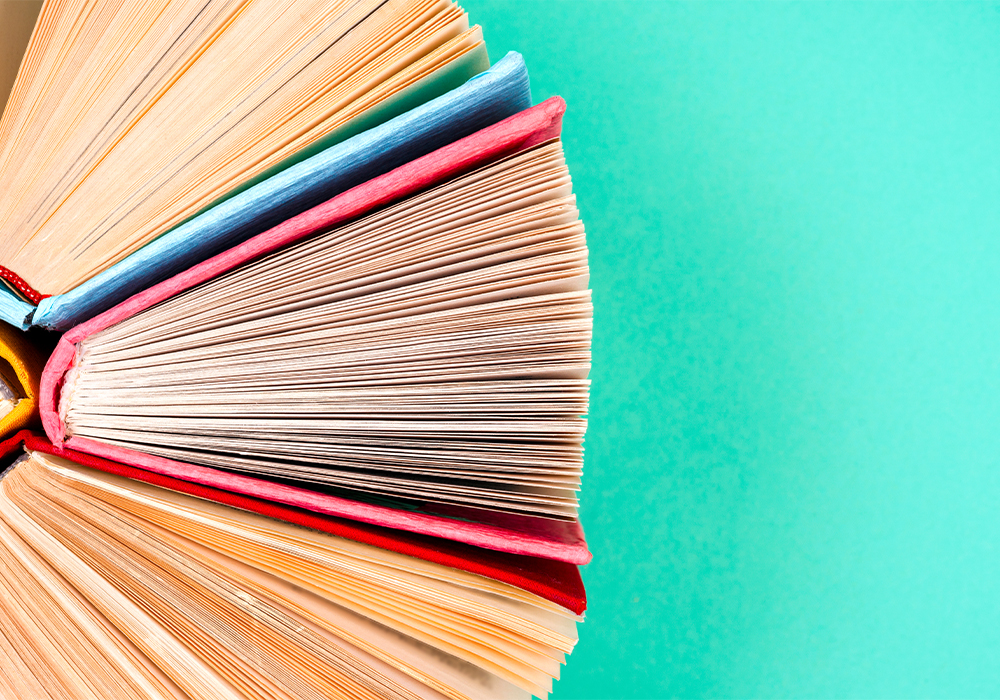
(14, 311)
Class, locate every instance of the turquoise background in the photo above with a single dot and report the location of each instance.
(792, 483)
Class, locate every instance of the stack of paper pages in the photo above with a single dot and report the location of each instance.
(314, 424)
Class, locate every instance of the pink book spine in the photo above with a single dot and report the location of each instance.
(562, 541)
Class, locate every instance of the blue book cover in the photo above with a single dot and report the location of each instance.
(489, 97)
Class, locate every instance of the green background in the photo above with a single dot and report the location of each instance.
(792, 482)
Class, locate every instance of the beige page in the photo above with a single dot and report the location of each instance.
(263, 606)
(436, 350)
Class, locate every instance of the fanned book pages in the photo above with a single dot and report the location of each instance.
(114, 588)
(418, 358)
(436, 350)
(315, 427)
(141, 138)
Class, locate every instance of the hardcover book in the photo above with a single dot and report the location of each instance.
(111, 182)
(119, 583)
(315, 424)
(422, 338)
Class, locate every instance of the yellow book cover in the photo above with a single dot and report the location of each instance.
(21, 365)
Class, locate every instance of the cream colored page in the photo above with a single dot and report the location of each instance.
(185, 668)
(436, 350)
(398, 651)
(188, 159)
(17, 19)
(257, 646)
(320, 548)
(80, 637)
(478, 641)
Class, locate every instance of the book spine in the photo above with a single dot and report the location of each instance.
(20, 285)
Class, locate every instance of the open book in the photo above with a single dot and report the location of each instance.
(420, 363)
(127, 156)
(124, 587)
(315, 428)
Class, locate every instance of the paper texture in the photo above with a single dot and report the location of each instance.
(556, 581)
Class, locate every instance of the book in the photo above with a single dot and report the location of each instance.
(444, 315)
(110, 181)
(315, 427)
(148, 587)
(21, 365)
